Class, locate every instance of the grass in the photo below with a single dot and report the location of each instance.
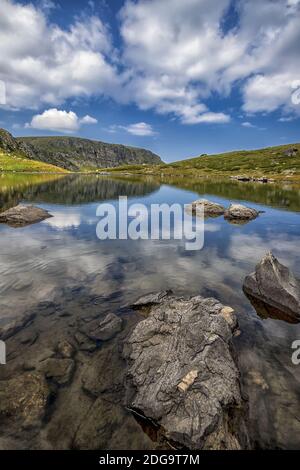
(270, 162)
(18, 163)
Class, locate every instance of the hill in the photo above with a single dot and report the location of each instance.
(76, 154)
(14, 158)
(282, 162)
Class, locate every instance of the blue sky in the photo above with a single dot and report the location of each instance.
(179, 78)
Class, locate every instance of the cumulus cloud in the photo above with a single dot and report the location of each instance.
(173, 57)
(42, 63)
(59, 120)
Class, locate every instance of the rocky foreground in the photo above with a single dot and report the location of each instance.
(182, 374)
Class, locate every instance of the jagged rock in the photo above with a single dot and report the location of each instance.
(20, 216)
(238, 212)
(105, 329)
(276, 287)
(65, 349)
(59, 370)
(211, 209)
(24, 398)
(182, 375)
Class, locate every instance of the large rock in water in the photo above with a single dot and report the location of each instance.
(21, 215)
(239, 213)
(276, 287)
(210, 209)
(182, 375)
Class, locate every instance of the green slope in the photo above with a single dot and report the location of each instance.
(18, 163)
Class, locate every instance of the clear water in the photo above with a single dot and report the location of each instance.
(43, 261)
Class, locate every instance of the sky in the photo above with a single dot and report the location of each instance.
(181, 78)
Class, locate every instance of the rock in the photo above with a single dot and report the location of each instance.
(105, 329)
(59, 370)
(275, 286)
(84, 343)
(241, 178)
(16, 325)
(20, 216)
(65, 349)
(29, 337)
(238, 212)
(292, 152)
(182, 375)
(24, 398)
(211, 209)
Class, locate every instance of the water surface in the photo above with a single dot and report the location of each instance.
(62, 261)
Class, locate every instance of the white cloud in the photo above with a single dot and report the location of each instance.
(174, 56)
(42, 63)
(59, 120)
(88, 120)
(139, 129)
(248, 124)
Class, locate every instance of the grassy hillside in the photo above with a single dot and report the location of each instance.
(18, 163)
(281, 162)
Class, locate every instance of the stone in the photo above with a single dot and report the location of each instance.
(21, 216)
(211, 209)
(182, 375)
(58, 370)
(105, 329)
(238, 212)
(65, 349)
(24, 398)
(276, 287)
(241, 178)
(17, 325)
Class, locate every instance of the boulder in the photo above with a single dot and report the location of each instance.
(182, 376)
(24, 398)
(211, 209)
(59, 370)
(276, 287)
(20, 216)
(238, 212)
(65, 349)
(105, 329)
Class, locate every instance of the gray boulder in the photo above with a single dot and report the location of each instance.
(20, 216)
(211, 209)
(182, 376)
(273, 284)
(238, 212)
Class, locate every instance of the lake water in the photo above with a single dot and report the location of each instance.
(61, 262)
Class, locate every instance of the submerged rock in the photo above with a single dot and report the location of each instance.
(240, 213)
(276, 287)
(211, 209)
(59, 370)
(182, 375)
(105, 329)
(20, 216)
(24, 398)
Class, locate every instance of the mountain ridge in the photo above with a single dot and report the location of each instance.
(75, 153)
